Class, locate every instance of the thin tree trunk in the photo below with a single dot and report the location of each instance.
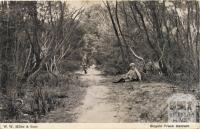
(125, 14)
(36, 46)
(197, 43)
(121, 33)
(116, 32)
(145, 30)
(128, 48)
(134, 16)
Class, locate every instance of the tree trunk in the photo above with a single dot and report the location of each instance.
(197, 43)
(116, 32)
(121, 33)
(8, 48)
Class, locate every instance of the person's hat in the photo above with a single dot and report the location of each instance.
(132, 64)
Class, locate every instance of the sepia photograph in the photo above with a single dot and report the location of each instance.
(100, 61)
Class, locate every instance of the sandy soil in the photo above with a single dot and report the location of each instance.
(104, 101)
(123, 102)
(96, 105)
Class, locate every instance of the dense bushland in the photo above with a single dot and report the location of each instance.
(166, 33)
(43, 43)
(40, 46)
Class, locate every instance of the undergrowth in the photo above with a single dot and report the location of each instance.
(31, 101)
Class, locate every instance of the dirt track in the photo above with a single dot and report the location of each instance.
(96, 106)
(104, 101)
(124, 102)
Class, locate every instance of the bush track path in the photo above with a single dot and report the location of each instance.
(123, 102)
(96, 106)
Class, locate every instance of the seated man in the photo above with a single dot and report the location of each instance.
(132, 75)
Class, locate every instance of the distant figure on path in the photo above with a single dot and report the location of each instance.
(132, 75)
(84, 64)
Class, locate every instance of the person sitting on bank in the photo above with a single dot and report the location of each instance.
(132, 75)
